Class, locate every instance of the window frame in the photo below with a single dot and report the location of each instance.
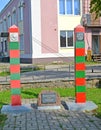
(73, 11)
(66, 34)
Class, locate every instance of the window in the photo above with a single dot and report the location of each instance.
(69, 7)
(69, 4)
(4, 25)
(62, 38)
(2, 47)
(22, 43)
(20, 15)
(5, 46)
(0, 26)
(9, 21)
(62, 6)
(76, 7)
(14, 17)
(70, 38)
(66, 39)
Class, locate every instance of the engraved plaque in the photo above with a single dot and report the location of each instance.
(14, 37)
(79, 36)
(48, 98)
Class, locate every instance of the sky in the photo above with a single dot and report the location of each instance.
(3, 3)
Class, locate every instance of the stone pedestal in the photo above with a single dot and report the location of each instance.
(48, 100)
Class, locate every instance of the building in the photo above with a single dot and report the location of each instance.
(46, 28)
(93, 29)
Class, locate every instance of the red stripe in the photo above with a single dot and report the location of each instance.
(80, 81)
(80, 52)
(13, 29)
(80, 66)
(15, 100)
(14, 68)
(14, 53)
(79, 28)
(80, 97)
(15, 84)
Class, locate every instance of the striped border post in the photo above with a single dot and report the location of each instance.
(14, 50)
(80, 81)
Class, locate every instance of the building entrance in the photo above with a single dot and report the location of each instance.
(95, 44)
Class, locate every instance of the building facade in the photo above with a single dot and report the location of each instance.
(93, 29)
(46, 28)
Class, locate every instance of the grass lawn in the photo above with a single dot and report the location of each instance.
(92, 63)
(2, 119)
(6, 73)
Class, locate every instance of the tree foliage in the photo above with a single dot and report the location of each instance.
(95, 7)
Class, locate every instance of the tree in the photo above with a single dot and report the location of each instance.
(95, 7)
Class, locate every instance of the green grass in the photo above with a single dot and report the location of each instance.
(2, 119)
(29, 69)
(4, 98)
(92, 63)
(93, 94)
(33, 92)
(5, 73)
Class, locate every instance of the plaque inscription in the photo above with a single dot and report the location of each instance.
(48, 98)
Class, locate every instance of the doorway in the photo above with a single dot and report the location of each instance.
(95, 44)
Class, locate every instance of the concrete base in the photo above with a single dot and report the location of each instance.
(85, 107)
(8, 109)
(49, 107)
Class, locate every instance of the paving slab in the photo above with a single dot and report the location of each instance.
(49, 107)
(52, 120)
(8, 109)
(85, 107)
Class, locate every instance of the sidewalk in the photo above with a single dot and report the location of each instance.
(52, 120)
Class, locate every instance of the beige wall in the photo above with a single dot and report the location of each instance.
(68, 22)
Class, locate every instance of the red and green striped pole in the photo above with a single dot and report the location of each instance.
(14, 50)
(80, 81)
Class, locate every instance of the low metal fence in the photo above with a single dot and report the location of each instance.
(49, 72)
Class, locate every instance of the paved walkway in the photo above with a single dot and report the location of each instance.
(52, 120)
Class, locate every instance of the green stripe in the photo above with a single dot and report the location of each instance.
(80, 59)
(15, 91)
(80, 44)
(14, 61)
(80, 89)
(80, 74)
(15, 76)
(14, 45)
